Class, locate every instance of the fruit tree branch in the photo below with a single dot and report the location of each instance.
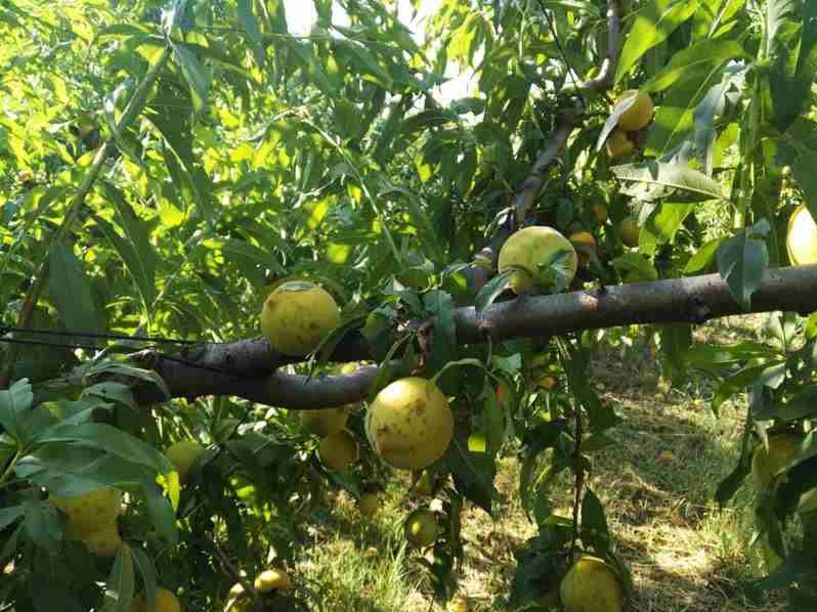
(529, 190)
(245, 368)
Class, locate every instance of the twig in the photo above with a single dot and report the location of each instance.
(235, 575)
(579, 482)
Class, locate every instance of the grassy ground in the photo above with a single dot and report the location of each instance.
(656, 483)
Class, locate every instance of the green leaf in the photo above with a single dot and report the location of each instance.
(197, 76)
(653, 23)
(120, 584)
(10, 515)
(703, 257)
(13, 403)
(705, 52)
(742, 262)
(440, 305)
(676, 340)
(109, 439)
(594, 529)
(492, 290)
(42, 524)
(148, 573)
(634, 267)
(662, 226)
(674, 177)
(473, 473)
(161, 514)
(249, 22)
(70, 290)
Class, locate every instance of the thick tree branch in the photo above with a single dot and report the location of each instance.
(243, 369)
(529, 190)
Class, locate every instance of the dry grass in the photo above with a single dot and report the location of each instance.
(656, 483)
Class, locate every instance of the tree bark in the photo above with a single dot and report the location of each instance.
(246, 368)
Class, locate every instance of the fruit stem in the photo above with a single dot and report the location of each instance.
(579, 482)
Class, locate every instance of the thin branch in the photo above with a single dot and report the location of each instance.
(685, 300)
(604, 79)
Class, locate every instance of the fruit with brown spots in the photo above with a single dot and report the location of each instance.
(87, 511)
(297, 315)
(409, 424)
(533, 248)
(638, 115)
(591, 585)
(337, 451)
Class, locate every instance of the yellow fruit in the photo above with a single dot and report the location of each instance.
(324, 421)
(458, 603)
(591, 586)
(586, 240)
(297, 315)
(767, 462)
(272, 579)
(547, 382)
(409, 424)
(87, 511)
(600, 213)
(368, 504)
(183, 455)
(618, 145)
(348, 368)
(532, 247)
(421, 528)
(629, 231)
(801, 238)
(639, 114)
(337, 451)
(103, 542)
(165, 602)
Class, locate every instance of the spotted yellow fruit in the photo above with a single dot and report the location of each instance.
(183, 455)
(324, 421)
(369, 504)
(104, 541)
(801, 238)
(619, 145)
(586, 244)
(86, 512)
(166, 601)
(271, 580)
(639, 114)
(629, 231)
(421, 528)
(297, 315)
(767, 462)
(409, 424)
(337, 451)
(532, 248)
(591, 585)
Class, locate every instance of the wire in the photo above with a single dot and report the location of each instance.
(561, 50)
(57, 332)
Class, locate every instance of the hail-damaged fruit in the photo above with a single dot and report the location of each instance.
(297, 315)
(409, 424)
